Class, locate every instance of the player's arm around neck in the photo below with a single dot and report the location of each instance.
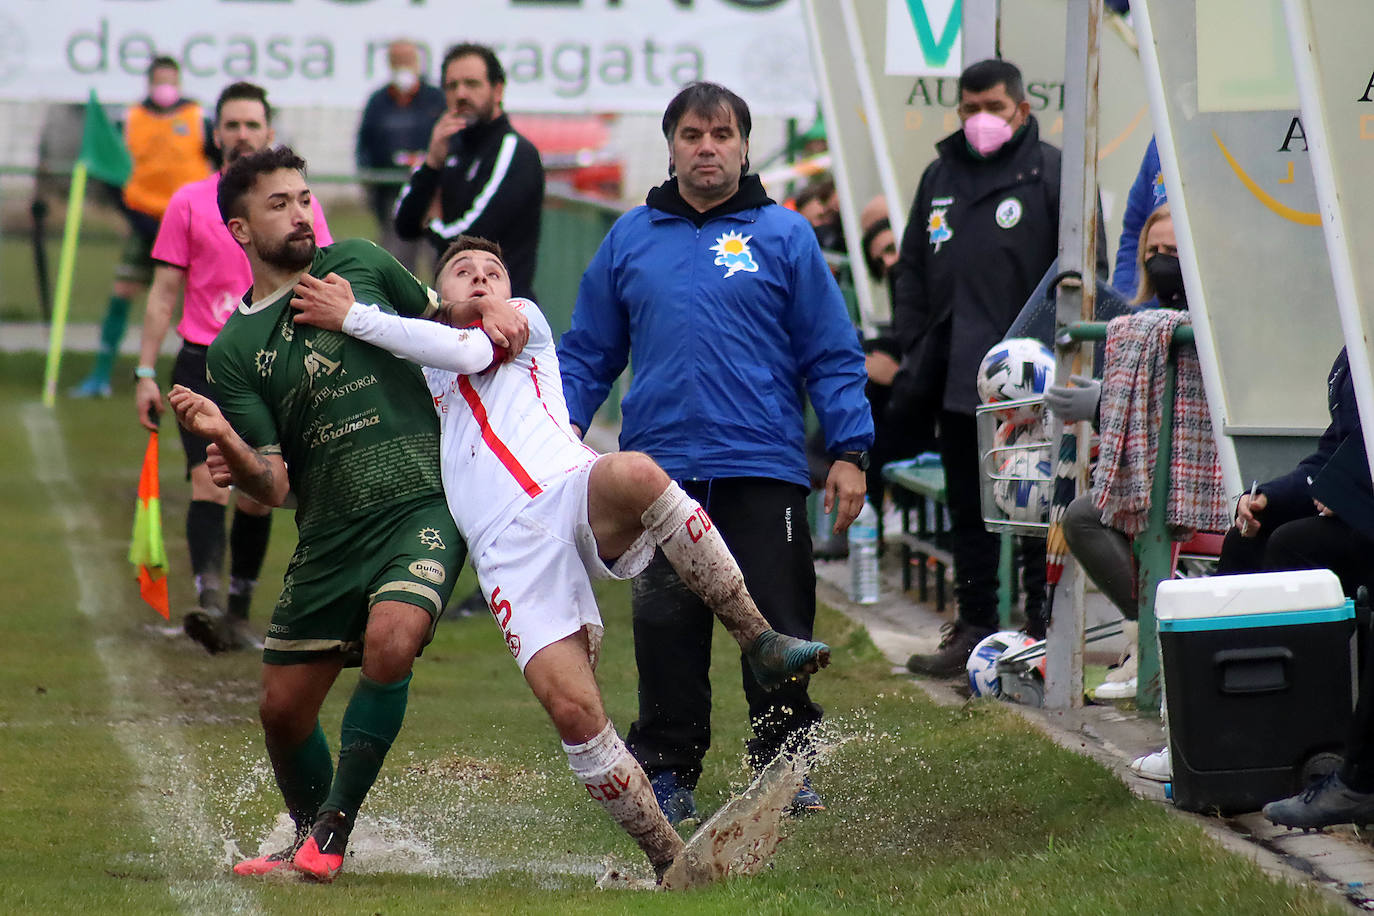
(427, 343)
(505, 324)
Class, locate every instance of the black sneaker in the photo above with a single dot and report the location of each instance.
(675, 799)
(207, 628)
(475, 603)
(1322, 804)
(806, 801)
(957, 641)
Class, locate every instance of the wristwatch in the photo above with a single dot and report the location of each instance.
(145, 372)
(858, 459)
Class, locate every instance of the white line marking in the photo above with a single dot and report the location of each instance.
(172, 803)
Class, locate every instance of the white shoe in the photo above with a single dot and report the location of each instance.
(1115, 690)
(1157, 766)
(1124, 671)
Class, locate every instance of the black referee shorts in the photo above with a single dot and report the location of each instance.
(189, 370)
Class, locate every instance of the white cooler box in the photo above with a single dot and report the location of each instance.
(1260, 681)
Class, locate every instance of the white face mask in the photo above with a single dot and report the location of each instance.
(405, 80)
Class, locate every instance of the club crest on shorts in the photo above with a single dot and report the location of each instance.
(732, 253)
(1008, 213)
(430, 537)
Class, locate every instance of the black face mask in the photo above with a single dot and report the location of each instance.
(1166, 276)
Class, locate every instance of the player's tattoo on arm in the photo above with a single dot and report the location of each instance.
(258, 481)
(263, 477)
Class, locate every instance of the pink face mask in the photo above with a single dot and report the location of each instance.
(164, 95)
(986, 133)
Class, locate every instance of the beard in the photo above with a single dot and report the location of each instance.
(295, 252)
(478, 114)
(235, 153)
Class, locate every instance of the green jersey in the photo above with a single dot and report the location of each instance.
(355, 424)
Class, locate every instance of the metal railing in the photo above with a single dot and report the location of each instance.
(1153, 547)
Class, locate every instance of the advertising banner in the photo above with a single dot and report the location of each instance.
(560, 55)
(1335, 72)
(1245, 210)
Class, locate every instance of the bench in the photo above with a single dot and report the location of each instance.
(917, 486)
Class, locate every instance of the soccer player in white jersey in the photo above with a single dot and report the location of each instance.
(543, 514)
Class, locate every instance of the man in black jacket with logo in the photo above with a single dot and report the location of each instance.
(983, 230)
(479, 176)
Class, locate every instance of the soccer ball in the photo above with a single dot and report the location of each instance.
(1024, 485)
(1013, 370)
(983, 680)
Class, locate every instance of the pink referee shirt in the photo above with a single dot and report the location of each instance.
(193, 237)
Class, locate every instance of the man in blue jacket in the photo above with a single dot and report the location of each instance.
(731, 313)
(1147, 193)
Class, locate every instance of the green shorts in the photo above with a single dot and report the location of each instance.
(136, 260)
(410, 553)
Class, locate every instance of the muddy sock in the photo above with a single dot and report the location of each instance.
(370, 723)
(303, 775)
(247, 547)
(614, 778)
(694, 547)
(205, 544)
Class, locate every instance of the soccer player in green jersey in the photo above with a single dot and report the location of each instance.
(350, 431)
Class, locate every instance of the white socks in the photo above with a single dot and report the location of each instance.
(615, 779)
(698, 553)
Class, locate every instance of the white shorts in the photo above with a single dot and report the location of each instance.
(536, 574)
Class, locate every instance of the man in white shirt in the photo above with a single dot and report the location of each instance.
(543, 515)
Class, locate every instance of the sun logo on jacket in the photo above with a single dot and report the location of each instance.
(938, 227)
(732, 253)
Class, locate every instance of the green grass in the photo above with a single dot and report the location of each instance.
(127, 758)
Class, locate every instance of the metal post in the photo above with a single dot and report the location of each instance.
(981, 40)
(1075, 301)
(1154, 551)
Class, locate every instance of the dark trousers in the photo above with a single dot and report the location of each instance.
(1318, 542)
(1314, 543)
(765, 526)
(1311, 542)
(976, 551)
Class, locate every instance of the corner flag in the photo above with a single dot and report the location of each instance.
(102, 148)
(104, 155)
(146, 550)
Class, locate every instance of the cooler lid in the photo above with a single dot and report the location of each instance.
(1253, 593)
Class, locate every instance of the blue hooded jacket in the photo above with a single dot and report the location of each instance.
(732, 317)
(1147, 193)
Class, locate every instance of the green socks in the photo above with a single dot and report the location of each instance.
(304, 774)
(370, 723)
(111, 333)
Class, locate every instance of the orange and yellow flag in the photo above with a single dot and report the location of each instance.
(146, 551)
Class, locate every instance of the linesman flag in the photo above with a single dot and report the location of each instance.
(146, 550)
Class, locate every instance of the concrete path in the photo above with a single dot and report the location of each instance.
(1337, 859)
(80, 337)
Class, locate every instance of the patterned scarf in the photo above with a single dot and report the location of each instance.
(1137, 356)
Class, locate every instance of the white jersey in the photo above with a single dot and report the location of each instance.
(505, 433)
